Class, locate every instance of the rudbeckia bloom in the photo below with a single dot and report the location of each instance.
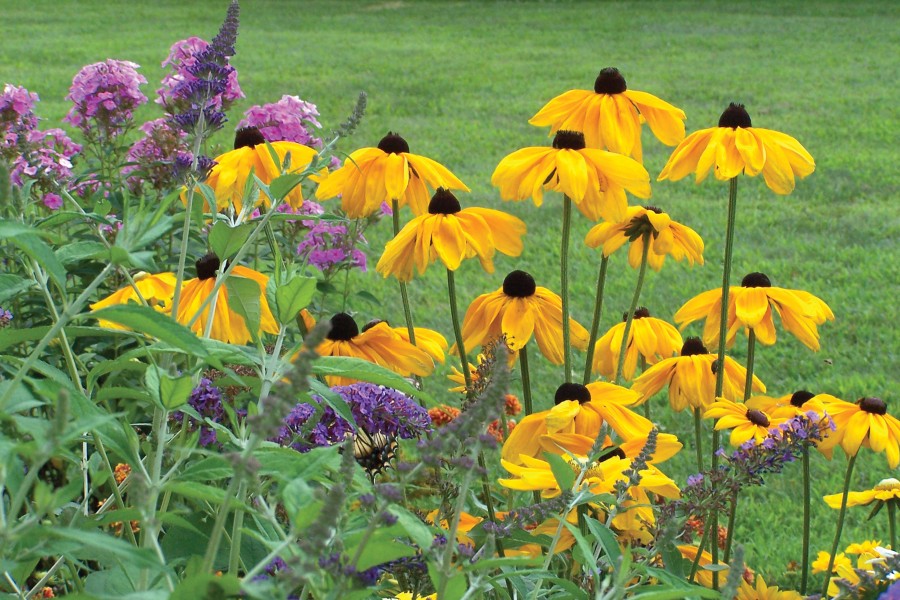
(667, 445)
(611, 115)
(653, 338)
(761, 591)
(745, 421)
(751, 307)
(691, 378)
(595, 180)
(227, 325)
(378, 344)
(886, 490)
(156, 289)
(451, 233)
(518, 310)
(389, 172)
(667, 237)
(432, 342)
(704, 576)
(863, 423)
(820, 565)
(229, 175)
(736, 147)
(580, 410)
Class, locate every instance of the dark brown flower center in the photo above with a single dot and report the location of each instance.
(392, 143)
(207, 266)
(343, 328)
(443, 203)
(569, 140)
(372, 324)
(610, 81)
(519, 284)
(248, 137)
(641, 313)
(693, 346)
(757, 417)
(876, 406)
(735, 116)
(572, 391)
(800, 397)
(753, 280)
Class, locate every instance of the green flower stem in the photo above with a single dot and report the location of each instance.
(186, 228)
(234, 556)
(526, 380)
(643, 364)
(634, 301)
(723, 331)
(488, 499)
(892, 521)
(697, 439)
(751, 354)
(804, 562)
(595, 323)
(404, 293)
(564, 287)
(700, 546)
(729, 534)
(457, 330)
(840, 523)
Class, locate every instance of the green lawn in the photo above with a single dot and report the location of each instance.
(459, 80)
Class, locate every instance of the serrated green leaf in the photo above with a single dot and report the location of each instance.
(357, 368)
(10, 285)
(282, 185)
(28, 241)
(225, 240)
(606, 538)
(150, 322)
(174, 391)
(243, 299)
(562, 471)
(294, 296)
(211, 468)
(78, 251)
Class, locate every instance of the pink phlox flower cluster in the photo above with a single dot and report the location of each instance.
(17, 118)
(105, 95)
(289, 120)
(330, 247)
(308, 208)
(152, 158)
(182, 57)
(45, 157)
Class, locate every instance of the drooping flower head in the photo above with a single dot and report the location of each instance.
(652, 338)
(666, 237)
(595, 180)
(227, 325)
(156, 289)
(611, 115)
(751, 307)
(691, 378)
(518, 310)
(865, 422)
(104, 96)
(451, 233)
(736, 147)
(228, 178)
(885, 491)
(372, 176)
(746, 421)
(290, 120)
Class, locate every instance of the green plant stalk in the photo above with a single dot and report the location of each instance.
(892, 521)
(697, 439)
(629, 318)
(488, 498)
(447, 559)
(186, 228)
(700, 547)
(595, 322)
(564, 287)
(723, 331)
(840, 523)
(234, 557)
(67, 315)
(151, 528)
(526, 381)
(729, 534)
(804, 562)
(101, 449)
(457, 330)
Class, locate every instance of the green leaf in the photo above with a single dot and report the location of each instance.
(207, 586)
(380, 549)
(211, 468)
(10, 285)
(282, 185)
(78, 251)
(12, 336)
(562, 471)
(287, 464)
(225, 241)
(677, 594)
(413, 525)
(243, 298)
(28, 241)
(174, 391)
(146, 320)
(293, 297)
(357, 368)
(333, 399)
(368, 297)
(606, 538)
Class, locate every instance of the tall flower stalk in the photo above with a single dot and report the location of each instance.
(457, 331)
(595, 322)
(564, 286)
(634, 302)
(404, 292)
(840, 524)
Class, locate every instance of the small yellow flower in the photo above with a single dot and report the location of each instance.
(745, 421)
(863, 423)
(886, 490)
(652, 338)
(156, 289)
(761, 591)
(821, 563)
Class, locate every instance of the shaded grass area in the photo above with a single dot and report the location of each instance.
(460, 79)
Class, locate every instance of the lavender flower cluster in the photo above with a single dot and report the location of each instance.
(289, 120)
(16, 117)
(152, 158)
(331, 247)
(104, 97)
(206, 399)
(6, 318)
(202, 84)
(376, 410)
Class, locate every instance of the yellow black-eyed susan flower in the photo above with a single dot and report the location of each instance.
(595, 180)
(388, 172)
(667, 237)
(865, 422)
(611, 116)
(518, 310)
(378, 344)
(751, 307)
(691, 378)
(228, 178)
(227, 325)
(760, 590)
(652, 338)
(745, 420)
(451, 233)
(886, 490)
(156, 289)
(736, 147)
(432, 342)
(704, 575)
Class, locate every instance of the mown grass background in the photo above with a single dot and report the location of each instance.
(459, 80)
